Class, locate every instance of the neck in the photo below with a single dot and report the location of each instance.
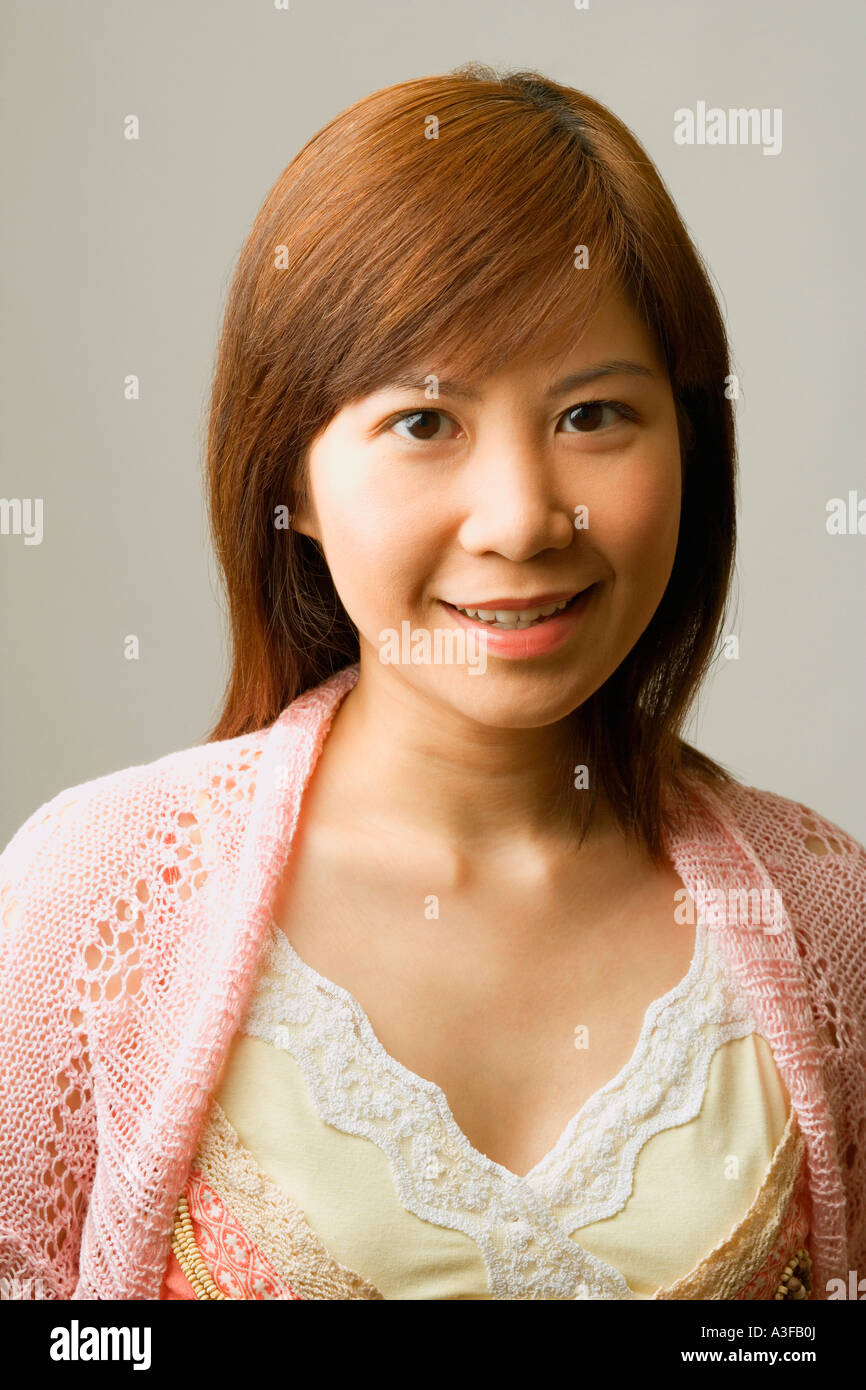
(404, 762)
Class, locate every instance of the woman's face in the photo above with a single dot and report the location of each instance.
(495, 496)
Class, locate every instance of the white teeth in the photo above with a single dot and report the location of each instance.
(512, 617)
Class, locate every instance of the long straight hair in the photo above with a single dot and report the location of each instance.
(440, 218)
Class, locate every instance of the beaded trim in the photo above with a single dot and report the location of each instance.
(796, 1280)
(189, 1257)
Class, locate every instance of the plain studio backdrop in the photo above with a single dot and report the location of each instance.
(116, 258)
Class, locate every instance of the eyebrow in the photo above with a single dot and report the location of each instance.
(617, 366)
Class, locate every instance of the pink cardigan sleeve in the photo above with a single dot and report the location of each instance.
(47, 1116)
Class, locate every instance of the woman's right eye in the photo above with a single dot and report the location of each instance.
(423, 423)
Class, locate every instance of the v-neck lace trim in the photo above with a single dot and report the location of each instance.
(359, 1088)
(589, 1173)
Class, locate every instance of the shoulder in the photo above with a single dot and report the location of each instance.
(189, 805)
(126, 834)
(818, 867)
(766, 813)
(787, 833)
(126, 795)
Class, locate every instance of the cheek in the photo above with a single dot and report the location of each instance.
(372, 540)
(637, 520)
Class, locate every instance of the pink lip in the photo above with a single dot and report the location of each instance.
(532, 641)
(540, 601)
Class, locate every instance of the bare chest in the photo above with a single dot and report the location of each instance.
(519, 1000)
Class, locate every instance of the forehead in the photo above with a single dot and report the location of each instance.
(614, 329)
(614, 333)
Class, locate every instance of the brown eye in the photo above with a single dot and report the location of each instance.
(588, 417)
(423, 424)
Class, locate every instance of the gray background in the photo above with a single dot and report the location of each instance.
(115, 259)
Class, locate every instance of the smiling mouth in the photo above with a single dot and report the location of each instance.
(515, 619)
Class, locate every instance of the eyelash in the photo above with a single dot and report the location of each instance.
(623, 410)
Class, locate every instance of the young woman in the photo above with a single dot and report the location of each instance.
(445, 968)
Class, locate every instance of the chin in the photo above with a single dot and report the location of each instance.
(537, 705)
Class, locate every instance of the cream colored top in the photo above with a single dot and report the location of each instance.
(651, 1174)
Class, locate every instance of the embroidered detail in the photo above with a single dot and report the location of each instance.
(287, 1257)
(796, 1280)
(748, 1262)
(360, 1089)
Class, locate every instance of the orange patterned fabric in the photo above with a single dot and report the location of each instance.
(236, 1264)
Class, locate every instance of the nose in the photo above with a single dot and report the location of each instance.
(516, 505)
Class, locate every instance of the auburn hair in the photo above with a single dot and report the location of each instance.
(439, 218)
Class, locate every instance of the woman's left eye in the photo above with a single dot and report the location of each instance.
(424, 421)
(589, 414)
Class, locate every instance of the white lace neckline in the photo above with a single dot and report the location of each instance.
(281, 947)
(522, 1224)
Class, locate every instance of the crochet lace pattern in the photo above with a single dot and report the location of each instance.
(133, 912)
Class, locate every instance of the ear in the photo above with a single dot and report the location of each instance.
(303, 519)
(303, 528)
